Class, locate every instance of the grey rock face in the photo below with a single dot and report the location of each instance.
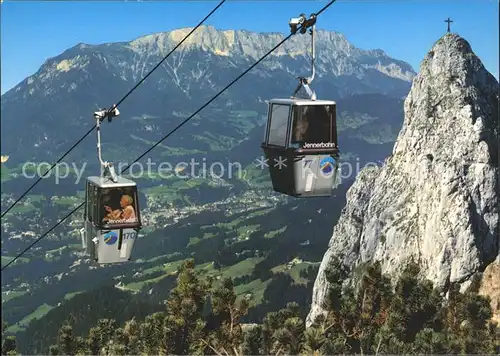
(436, 199)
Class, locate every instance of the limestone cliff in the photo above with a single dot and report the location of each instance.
(436, 198)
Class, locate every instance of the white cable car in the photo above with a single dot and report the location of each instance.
(112, 218)
(300, 141)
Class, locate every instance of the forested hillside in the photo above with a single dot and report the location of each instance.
(204, 316)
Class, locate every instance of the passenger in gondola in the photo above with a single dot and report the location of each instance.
(300, 131)
(126, 213)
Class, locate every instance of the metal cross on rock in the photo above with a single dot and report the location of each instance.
(449, 21)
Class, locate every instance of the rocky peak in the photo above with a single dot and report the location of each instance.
(436, 199)
(452, 85)
(241, 42)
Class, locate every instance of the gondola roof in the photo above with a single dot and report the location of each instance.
(107, 183)
(299, 102)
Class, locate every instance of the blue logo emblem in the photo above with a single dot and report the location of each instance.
(110, 238)
(327, 165)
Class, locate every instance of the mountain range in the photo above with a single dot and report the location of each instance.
(256, 231)
(57, 101)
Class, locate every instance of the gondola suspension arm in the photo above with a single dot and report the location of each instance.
(311, 25)
(107, 169)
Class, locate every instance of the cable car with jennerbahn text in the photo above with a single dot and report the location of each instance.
(300, 141)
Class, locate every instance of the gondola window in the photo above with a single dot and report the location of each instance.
(279, 124)
(312, 124)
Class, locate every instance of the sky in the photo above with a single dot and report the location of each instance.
(32, 32)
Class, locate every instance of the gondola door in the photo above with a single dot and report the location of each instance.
(90, 230)
(275, 146)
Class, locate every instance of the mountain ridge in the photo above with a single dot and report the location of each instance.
(233, 43)
(64, 92)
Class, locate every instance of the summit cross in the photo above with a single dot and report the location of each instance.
(449, 21)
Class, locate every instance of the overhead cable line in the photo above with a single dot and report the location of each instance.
(223, 90)
(109, 111)
(171, 132)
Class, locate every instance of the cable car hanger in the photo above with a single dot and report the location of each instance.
(311, 25)
(107, 169)
(112, 216)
